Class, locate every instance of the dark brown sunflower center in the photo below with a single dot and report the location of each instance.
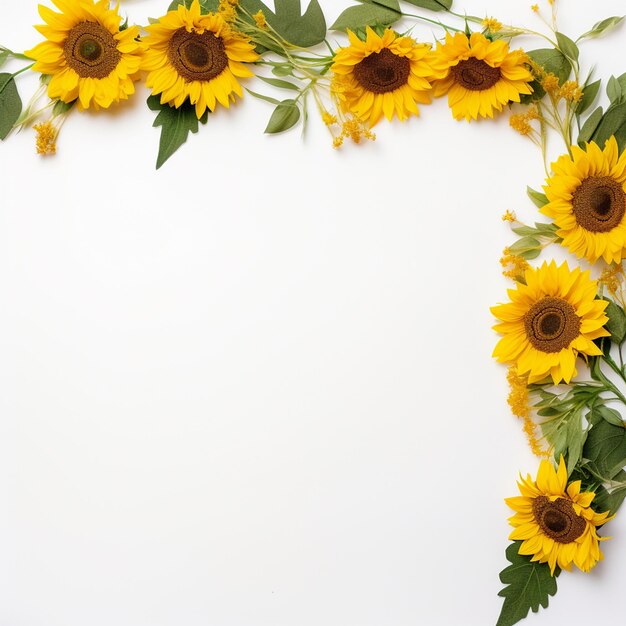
(476, 75)
(197, 56)
(91, 50)
(552, 324)
(558, 519)
(599, 204)
(383, 71)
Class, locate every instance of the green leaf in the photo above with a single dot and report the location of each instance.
(613, 123)
(539, 199)
(603, 27)
(289, 22)
(590, 126)
(529, 586)
(176, 124)
(527, 247)
(567, 47)
(590, 93)
(606, 449)
(285, 116)
(357, 17)
(617, 322)
(4, 56)
(609, 415)
(10, 104)
(614, 89)
(432, 5)
(260, 96)
(281, 84)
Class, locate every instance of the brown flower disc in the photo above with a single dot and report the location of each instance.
(558, 520)
(197, 56)
(551, 324)
(91, 50)
(382, 72)
(599, 204)
(476, 75)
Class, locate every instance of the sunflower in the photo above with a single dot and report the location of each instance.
(480, 76)
(86, 54)
(555, 521)
(587, 201)
(383, 75)
(549, 321)
(196, 57)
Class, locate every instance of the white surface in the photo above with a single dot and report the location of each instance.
(255, 388)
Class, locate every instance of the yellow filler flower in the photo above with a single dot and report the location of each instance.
(198, 57)
(550, 320)
(383, 75)
(480, 76)
(587, 201)
(86, 54)
(555, 521)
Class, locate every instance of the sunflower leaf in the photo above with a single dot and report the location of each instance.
(529, 585)
(603, 27)
(605, 448)
(176, 124)
(613, 123)
(567, 47)
(301, 29)
(10, 104)
(285, 116)
(539, 199)
(370, 14)
(590, 126)
(617, 322)
(590, 93)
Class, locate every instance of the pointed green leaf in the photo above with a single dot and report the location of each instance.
(528, 586)
(567, 47)
(281, 84)
(176, 124)
(603, 27)
(10, 104)
(286, 115)
(590, 126)
(539, 199)
(617, 322)
(358, 17)
(606, 448)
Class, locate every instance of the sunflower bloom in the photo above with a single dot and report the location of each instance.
(383, 75)
(86, 54)
(587, 201)
(555, 521)
(196, 57)
(480, 76)
(550, 320)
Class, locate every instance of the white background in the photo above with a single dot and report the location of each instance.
(255, 388)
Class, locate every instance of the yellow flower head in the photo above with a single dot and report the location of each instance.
(492, 24)
(383, 75)
(46, 142)
(555, 521)
(549, 321)
(480, 76)
(196, 57)
(86, 54)
(587, 201)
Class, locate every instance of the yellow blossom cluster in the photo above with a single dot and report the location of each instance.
(514, 265)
